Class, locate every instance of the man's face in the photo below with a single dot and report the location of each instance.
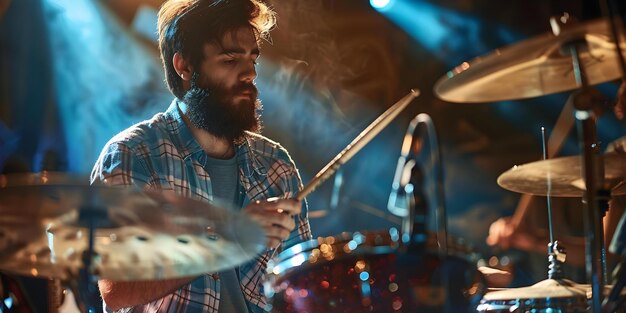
(223, 99)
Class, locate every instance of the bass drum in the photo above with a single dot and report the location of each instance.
(370, 272)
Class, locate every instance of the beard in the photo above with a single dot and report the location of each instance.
(213, 109)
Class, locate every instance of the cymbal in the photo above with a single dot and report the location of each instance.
(549, 288)
(44, 231)
(533, 67)
(561, 177)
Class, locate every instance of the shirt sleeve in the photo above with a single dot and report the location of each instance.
(118, 165)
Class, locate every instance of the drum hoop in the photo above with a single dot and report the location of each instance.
(303, 259)
(302, 253)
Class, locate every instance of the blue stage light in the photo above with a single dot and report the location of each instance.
(380, 5)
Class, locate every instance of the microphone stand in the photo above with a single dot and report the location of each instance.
(407, 188)
(409, 180)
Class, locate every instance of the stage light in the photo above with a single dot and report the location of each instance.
(381, 5)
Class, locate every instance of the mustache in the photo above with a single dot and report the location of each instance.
(244, 87)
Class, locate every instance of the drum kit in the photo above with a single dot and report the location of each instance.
(55, 226)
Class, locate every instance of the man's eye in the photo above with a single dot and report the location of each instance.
(230, 61)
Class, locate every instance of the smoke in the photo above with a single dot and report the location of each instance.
(106, 78)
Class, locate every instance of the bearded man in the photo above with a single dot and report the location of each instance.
(207, 145)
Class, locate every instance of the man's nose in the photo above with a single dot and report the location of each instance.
(249, 72)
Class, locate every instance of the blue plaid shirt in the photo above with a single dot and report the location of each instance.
(161, 153)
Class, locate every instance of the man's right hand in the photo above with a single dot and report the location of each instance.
(276, 218)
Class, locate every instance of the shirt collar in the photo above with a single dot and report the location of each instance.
(248, 160)
(179, 128)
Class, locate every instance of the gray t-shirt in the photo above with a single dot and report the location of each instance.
(225, 182)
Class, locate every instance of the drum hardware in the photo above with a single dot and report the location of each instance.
(556, 259)
(615, 298)
(571, 58)
(595, 198)
(79, 233)
(407, 199)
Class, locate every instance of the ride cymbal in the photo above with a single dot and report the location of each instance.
(533, 67)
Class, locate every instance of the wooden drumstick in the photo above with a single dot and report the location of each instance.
(361, 140)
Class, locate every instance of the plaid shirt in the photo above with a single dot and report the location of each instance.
(161, 153)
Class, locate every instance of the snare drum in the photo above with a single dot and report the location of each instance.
(369, 272)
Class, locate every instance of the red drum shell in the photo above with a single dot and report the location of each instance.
(370, 272)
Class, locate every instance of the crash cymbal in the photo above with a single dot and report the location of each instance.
(533, 67)
(561, 177)
(549, 288)
(137, 236)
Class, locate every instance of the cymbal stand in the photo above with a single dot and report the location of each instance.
(556, 252)
(84, 286)
(592, 172)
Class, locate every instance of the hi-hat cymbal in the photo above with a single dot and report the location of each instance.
(549, 288)
(44, 232)
(533, 67)
(561, 177)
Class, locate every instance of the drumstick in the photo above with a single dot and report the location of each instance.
(361, 140)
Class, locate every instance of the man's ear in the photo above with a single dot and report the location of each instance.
(182, 67)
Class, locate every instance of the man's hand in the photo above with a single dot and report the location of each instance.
(506, 234)
(276, 218)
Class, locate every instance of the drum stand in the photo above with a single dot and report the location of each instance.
(595, 198)
(86, 288)
(83, 285)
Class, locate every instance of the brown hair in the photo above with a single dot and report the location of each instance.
(185, 26)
